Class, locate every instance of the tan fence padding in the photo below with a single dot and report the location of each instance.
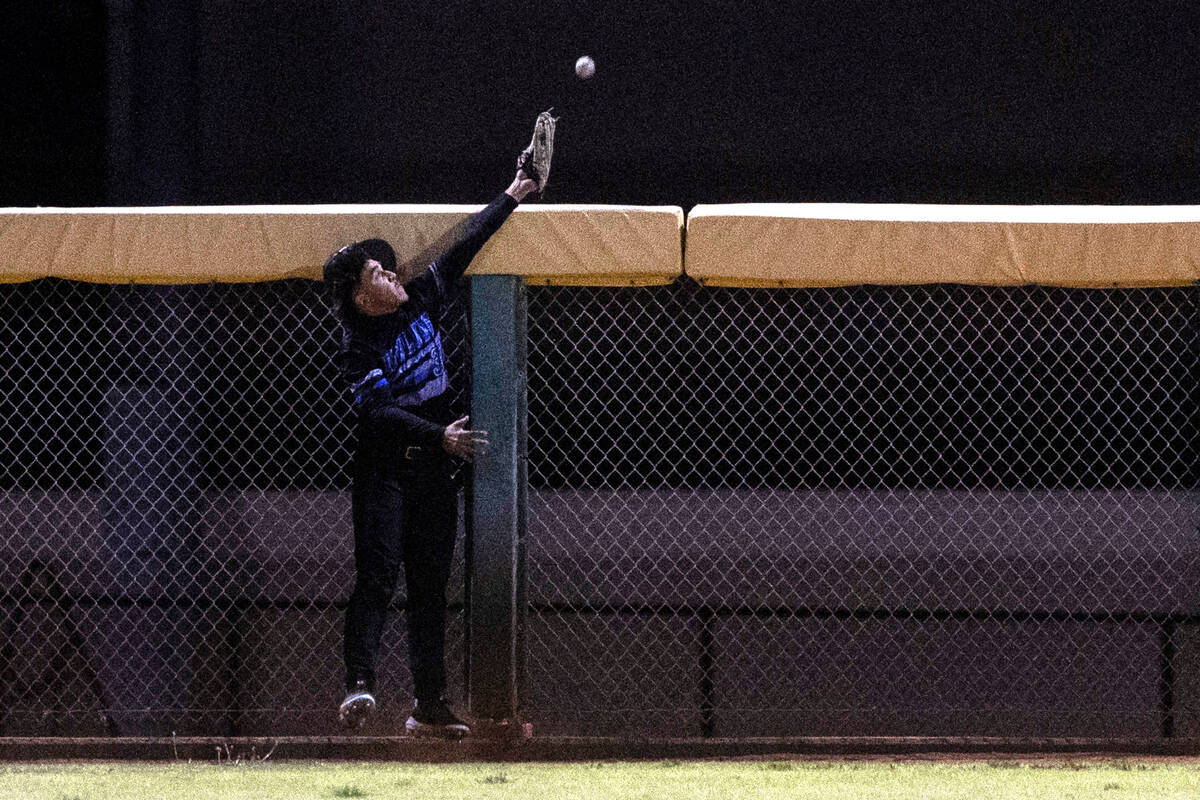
(810, 244)
(733, 245)
(581, 244)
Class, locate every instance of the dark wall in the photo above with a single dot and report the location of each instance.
(52, 102)
(242, 102)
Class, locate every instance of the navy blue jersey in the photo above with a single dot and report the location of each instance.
(395, 364)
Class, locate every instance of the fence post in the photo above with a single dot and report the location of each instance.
(496, 568)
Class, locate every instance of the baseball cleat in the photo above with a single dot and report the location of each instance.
(436, 720)
(358, 705)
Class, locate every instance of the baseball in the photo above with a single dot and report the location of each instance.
(585, 67)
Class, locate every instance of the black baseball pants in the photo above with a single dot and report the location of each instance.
(405, 516)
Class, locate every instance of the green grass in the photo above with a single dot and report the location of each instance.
(670, 780)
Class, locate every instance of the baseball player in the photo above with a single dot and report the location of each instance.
(404, 501)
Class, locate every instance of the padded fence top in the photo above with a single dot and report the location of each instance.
(844, 244)
(548, 244)
(748, 244)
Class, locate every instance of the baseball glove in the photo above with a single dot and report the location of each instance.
(535, 159)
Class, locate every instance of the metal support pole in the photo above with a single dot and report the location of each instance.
(496, 582)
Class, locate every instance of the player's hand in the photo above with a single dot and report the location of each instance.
(522, 184)
(464, 443)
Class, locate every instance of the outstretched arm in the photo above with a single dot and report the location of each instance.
(480, 227)
(372, 400)
(384, 418)
(456, 439)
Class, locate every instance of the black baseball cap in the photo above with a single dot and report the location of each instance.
(343, 269)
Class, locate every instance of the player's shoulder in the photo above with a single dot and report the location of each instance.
(425, 291)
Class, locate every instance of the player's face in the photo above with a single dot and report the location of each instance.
(379, 291)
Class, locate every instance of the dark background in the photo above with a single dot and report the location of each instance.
(131, 102)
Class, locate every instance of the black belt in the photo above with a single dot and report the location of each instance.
(389, 457)
(415, 452)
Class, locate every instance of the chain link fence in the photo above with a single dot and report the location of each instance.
(177, 550)
(871, 510)
(907, 510)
